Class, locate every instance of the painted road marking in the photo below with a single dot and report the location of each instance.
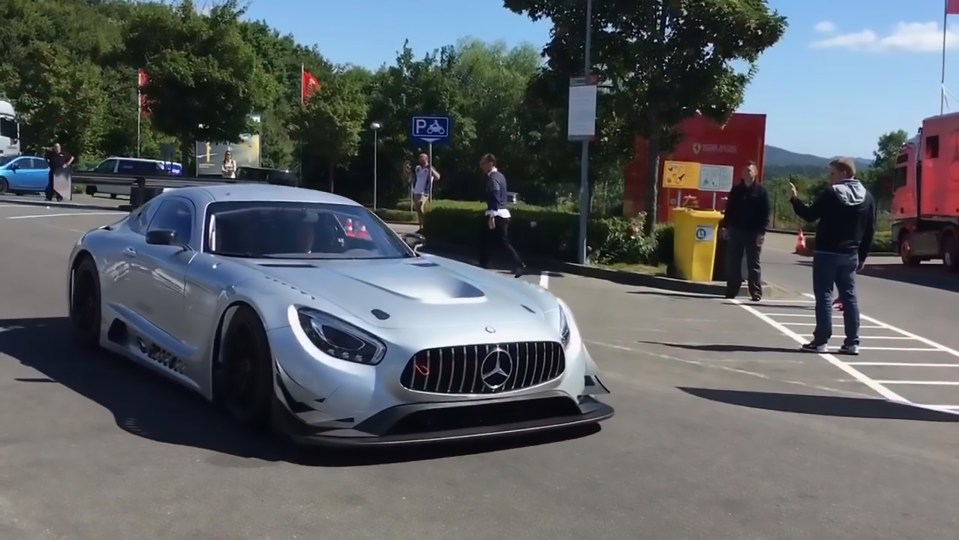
(65, 214)
(544, 280)
(880, 386)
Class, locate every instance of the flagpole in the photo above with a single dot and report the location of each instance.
(139, 110)
(942, 80)
(302, 74)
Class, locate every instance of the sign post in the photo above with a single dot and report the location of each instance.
(430, 130)
(582, 127)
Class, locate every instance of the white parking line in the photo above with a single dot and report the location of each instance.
(880, 386)
(544, 280)
(34, 216)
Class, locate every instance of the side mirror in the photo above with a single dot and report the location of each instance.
(415, 241)
(161, 237)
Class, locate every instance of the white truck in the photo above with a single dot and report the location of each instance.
(9, 130)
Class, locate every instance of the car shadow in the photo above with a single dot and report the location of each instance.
(722, 347)
(819, 405)
(146, 405)
(925, 275)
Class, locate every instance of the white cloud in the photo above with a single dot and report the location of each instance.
(906, 36)
(825, 27)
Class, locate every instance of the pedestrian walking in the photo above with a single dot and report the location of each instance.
(58, 161)
(744, 228)
(422, 179)
(497, 217)
(847, 224)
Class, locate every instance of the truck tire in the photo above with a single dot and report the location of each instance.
(905, 251)
(950, 251)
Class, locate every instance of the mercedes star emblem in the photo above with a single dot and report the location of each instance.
(496, 368)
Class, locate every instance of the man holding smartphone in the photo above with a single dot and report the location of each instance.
(847, 224)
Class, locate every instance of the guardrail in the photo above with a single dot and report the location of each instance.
(140, 185)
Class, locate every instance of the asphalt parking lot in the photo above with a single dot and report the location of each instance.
(723, 430)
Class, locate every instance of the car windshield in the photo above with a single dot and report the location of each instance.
(295, 230)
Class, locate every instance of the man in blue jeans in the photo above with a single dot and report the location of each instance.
(847, 223)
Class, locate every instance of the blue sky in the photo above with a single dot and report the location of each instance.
(846, 71)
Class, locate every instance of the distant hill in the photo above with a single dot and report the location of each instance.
(780, 162)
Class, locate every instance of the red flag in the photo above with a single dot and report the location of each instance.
(952, 7)
(308, 86)
(142, 80)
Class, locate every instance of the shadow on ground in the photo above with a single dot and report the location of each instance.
(847, 407)
(722, 347)
(499, 264)
(924, 275)
(148, 406)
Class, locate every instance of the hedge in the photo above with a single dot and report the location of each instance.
(552, 233)
(882, 243)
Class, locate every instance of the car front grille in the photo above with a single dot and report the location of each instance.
(484, 369)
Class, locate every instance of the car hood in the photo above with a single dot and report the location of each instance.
(426, 291)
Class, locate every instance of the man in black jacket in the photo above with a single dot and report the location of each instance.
(497, 217)
(744, 228)
(847, 223)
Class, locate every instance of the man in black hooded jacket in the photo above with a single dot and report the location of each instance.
(847, 224)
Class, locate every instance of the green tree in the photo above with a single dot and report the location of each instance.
(330, 126)
(664, 60)
(204, 79)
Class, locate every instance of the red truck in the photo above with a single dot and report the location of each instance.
(925, 194)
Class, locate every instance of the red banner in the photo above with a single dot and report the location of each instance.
(308, 86)
(143, 103)
(952, 7)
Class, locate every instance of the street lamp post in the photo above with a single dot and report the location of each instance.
(376, 127)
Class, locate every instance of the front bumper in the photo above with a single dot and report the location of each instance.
(433, 422)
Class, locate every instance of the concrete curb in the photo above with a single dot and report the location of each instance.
(616, 276)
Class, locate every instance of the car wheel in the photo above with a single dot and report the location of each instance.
(4, 185)
(85, 303)
(246, 376)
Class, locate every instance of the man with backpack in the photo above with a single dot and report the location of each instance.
(847, 224)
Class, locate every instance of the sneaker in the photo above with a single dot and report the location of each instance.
(852, 350)
(814, 347)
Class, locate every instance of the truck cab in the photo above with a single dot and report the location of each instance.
(925, 194)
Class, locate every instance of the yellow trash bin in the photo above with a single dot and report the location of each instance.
(694, 242)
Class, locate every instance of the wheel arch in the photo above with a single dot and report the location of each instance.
(226, 316)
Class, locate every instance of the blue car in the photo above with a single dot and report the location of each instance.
(23, 174)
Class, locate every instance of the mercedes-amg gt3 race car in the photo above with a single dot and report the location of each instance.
(263, 298)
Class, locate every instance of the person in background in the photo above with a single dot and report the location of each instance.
(422, 178)
(844, 234)
(58, 161)
(497, 217)
(744, 229)
(229, 165)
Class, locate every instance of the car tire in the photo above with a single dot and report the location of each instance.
(85, 307)
(245, 380)
(4, 186)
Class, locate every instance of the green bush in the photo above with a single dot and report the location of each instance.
(882, 243)
(545, 232)
(390, 215)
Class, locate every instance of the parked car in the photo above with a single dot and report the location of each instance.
(256, 297)
(23, 174)
(130, 166)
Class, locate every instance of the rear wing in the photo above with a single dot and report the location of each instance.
(144, 188)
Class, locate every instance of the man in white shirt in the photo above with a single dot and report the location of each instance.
(423, 177)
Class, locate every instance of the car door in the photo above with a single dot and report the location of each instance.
(18, 177)
(163, 268)
(39, 174)
(122, 284)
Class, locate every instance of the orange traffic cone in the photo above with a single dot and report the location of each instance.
(800, 244)
(349, 227)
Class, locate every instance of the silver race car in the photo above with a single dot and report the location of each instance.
(302, 311)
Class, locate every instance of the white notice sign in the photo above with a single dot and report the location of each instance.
(582, 112)
(715, 178)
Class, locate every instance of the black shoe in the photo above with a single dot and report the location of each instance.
(756, 298)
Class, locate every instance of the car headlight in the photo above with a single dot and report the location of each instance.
(563, 327)
(340, 339)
